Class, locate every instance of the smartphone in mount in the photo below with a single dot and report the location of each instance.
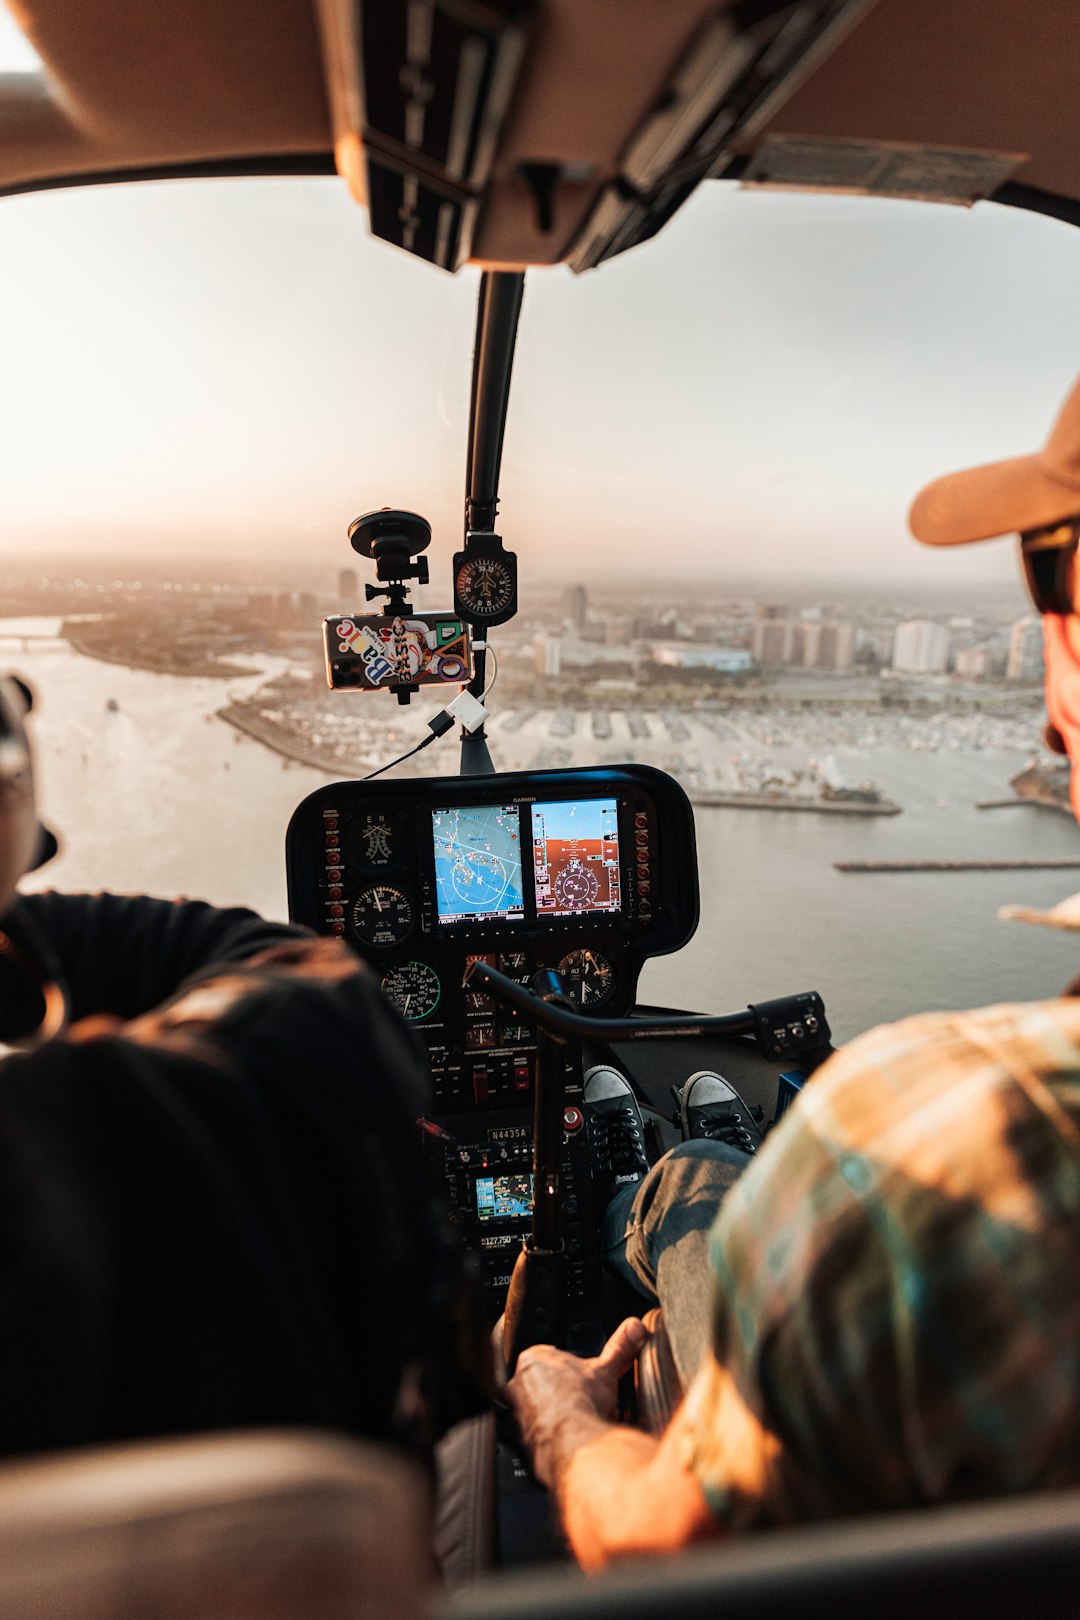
(382, 652)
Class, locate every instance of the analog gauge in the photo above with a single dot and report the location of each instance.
(382, 915)
(484, 586)
(589, 976)
(414, 989)
(372, 842)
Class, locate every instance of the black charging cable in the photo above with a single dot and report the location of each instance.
(440, 725)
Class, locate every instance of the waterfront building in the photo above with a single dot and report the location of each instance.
(773, 642)
(836, 646)
(347, 589)
(725, 660)
(811, 642)
(1025, 650)
(921, 647)
(973, 663)
(547, 655)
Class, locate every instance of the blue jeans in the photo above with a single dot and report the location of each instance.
(656, 1237)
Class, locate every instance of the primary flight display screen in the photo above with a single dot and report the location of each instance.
(478, 868)
(576, 857)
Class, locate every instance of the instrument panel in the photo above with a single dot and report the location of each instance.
(589, 872)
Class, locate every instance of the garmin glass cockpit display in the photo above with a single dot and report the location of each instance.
(588, 872)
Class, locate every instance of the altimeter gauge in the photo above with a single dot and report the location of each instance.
(485, 581)
(589, 976)
(382, 915)
(414, 989)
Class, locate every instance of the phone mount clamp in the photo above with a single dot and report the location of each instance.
(393, 541)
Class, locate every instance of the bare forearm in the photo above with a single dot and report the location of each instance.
(603, 1494)
(620, 1491)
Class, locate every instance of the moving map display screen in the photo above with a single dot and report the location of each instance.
(478, 869)
(502, 1198)
(576, 857)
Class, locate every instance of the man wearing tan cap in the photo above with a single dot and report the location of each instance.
(895, 1278)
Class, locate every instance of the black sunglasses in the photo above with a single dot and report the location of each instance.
(1049, 557)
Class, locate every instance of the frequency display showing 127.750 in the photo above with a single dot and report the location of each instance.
(576, 856)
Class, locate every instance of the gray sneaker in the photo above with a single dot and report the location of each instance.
(711, 1109)
(616, 1134)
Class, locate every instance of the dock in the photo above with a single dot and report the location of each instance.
(958, 866)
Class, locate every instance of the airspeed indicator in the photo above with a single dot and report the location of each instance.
(414, 989)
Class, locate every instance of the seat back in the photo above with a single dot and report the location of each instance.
(1019, 1558)
(259, 1526)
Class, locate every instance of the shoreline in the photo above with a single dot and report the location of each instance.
(130, 658)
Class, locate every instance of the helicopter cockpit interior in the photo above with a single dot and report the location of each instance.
(530, 914)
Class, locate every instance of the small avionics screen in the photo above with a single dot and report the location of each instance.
(576, 857)
(478, 863)
(503, 1198)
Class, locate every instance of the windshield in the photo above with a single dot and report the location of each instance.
(711, 447)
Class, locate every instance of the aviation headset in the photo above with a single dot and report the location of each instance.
(25, 1020)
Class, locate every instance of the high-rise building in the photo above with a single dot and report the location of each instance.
(773, 642)
(1025, 650)
(577, 605)
(921, 648)
(347, 587)
(837, 646)
(973, 663)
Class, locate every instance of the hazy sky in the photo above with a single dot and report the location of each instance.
(235, 366)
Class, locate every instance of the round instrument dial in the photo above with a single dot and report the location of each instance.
(414, 989)
(576, 887)
(382, 915)
(484, 586)
(589, 976)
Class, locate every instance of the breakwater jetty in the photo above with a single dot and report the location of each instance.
(765, 801)
(958, 866)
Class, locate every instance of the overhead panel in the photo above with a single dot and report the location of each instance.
(436, 78)
(740, 65)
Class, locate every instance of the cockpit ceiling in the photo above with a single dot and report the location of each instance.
(589, 120)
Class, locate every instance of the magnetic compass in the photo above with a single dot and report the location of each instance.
(485, 581)
(382, 915)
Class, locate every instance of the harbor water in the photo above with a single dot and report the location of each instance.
(150, 791)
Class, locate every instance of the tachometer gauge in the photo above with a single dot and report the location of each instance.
(382, 915)
(589, 976)
(372, 842)
(485, 582)
(414, 989)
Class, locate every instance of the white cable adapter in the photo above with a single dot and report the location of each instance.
(468, 711)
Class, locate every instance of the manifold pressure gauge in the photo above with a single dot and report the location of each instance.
(382, 915)
(485, 581)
